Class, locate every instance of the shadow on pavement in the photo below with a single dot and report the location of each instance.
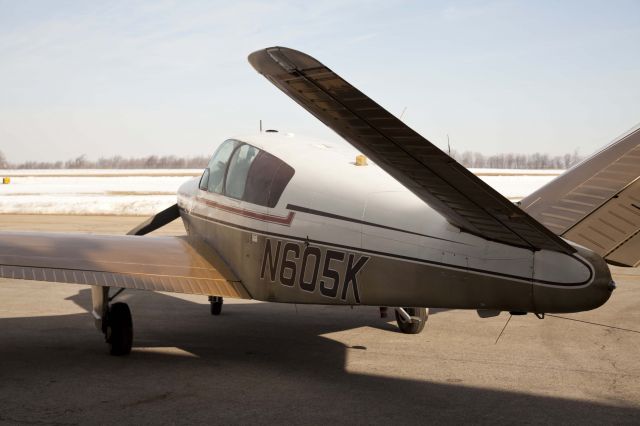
(257, 363)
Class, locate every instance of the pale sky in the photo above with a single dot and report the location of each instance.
(134, 78)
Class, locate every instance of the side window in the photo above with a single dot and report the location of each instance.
(204, 180)
(238, 169)
(280, 180)
(267, 179)
(218, 165)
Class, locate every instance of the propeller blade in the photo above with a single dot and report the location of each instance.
(157, 221)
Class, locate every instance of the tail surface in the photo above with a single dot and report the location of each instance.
(597, 202)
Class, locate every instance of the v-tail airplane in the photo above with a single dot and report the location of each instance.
(391, 222)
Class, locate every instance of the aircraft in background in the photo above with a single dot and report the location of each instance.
(279, 218)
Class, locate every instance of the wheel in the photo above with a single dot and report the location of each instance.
(216, 305)
(119, 330)
(216, 308)
(415, 326)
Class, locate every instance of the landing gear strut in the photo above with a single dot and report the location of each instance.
(216, 304)
(117, 327)
(411, 320)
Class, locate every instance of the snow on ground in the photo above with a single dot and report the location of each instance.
(516, 187)
(516, 172)
(91, 185)
(117, 192)
(101, 172)
(146, 192)
(138, 205)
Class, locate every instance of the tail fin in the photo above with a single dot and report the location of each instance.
(597, 202)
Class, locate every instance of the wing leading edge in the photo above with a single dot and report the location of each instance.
(152, 263)
(448, 187)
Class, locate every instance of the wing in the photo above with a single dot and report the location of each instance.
(448, 187)
(151, 263)
(597, 202)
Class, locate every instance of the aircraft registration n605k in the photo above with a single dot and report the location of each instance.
(280, 218)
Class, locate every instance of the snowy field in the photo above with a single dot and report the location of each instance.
(145, 192)
(516, 184)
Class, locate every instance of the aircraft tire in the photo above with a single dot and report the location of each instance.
(119, 329)
(216, 306)
(413, 327)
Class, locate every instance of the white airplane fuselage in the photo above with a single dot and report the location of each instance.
(341, 233)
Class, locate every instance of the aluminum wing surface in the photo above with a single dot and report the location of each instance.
(151, 263)
(448, 187)
(597, 202)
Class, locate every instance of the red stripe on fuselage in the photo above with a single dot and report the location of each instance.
(280, 220)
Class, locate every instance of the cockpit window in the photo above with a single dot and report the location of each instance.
(238, 170)
(218, 166)
(246, 173)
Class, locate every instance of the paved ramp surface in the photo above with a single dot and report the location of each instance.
(264, 363)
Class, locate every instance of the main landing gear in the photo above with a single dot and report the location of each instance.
(411, 320)
(117, 327)
(216, 304)
(113, 319)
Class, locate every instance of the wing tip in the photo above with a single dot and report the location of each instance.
(277, 59)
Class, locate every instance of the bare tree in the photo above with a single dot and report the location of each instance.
(79, 162)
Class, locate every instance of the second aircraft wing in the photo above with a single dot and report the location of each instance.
(448, 187)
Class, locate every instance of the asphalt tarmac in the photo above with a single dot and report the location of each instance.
(266, 363)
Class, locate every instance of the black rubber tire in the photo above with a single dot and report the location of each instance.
(216, 308)
(119, 332)
(413, 327)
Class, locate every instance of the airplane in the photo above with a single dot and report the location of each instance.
(389, 221)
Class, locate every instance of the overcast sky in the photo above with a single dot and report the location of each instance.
(135, 78)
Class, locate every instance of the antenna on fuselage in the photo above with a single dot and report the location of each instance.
(503, 329)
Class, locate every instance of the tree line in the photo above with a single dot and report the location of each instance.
(467, 158)
(115, 162)
(533, 161)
